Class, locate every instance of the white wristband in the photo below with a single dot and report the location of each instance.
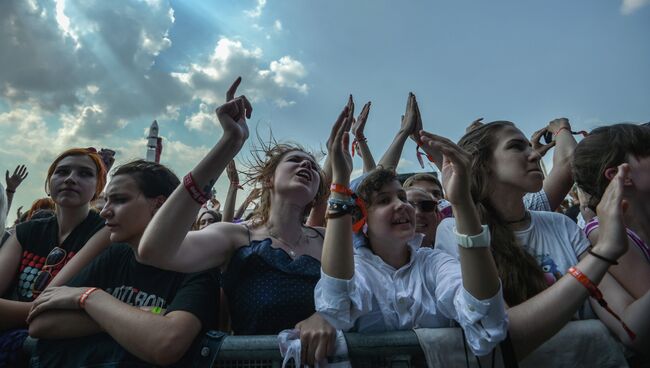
(481, 240)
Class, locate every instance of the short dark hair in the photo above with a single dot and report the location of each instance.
(373, 182)
(153, 179)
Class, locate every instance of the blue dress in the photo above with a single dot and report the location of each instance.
(267, 290)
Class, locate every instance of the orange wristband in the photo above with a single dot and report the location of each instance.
(85, 295)
(595, 293)
(342, 189)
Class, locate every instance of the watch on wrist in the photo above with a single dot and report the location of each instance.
(481, 240)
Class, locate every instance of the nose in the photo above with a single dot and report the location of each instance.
(106, 212)
(70, 178)
(534, 155)
(305, 163)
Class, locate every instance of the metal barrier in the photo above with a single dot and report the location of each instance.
(391, 349)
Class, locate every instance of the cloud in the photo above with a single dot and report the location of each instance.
(630, 6)
(257, 11)
(231, 58)
(277, 25)
(90, 62)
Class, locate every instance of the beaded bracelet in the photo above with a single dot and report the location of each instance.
(197, 194)
(85, 295)
(595, 293)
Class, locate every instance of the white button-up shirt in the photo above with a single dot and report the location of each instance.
(426, 292)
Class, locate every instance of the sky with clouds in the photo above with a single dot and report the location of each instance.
(97, 73)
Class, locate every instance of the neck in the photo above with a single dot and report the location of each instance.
(285, 220)
(397, 257)
(509, 205)
(69, 218)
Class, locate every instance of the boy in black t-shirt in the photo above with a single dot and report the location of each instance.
(188, 301)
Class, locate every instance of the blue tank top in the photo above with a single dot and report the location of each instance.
(267, 290)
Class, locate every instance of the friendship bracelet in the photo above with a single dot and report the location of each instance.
(419, 155)
(583, 132)
(595, 293)
(197, 194)
(608, 260)
(342, 189)
(85, 295)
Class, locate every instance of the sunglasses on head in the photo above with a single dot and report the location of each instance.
(425, 206)
(54, 258)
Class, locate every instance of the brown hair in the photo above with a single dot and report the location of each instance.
(422, 177)
(261, 169)
(40, 204)
(521, 275)
(605, 147)
(93, 155)
(373, 182)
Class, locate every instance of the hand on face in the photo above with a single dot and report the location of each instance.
(611, 210)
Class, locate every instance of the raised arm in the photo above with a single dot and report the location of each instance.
(411, 125)
(13, 182)
(337, 259)
(560, 180)
(479, 272)
(360, 141)
(166, 242)
(231, 197)
(558, 303)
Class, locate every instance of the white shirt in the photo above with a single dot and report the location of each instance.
(426, 292)
(552, 238)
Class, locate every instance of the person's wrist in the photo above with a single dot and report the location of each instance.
(10, 190)
(612, 253)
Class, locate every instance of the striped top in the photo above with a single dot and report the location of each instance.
(593, 224)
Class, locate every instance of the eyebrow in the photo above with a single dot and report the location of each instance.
(517, 140)
(301, 157)
(75, 166)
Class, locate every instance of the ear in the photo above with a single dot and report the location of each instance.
(156, 203)
(610, 173)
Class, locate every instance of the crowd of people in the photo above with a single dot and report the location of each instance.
(138, 270)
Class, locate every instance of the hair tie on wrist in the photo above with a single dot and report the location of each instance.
(602, 258)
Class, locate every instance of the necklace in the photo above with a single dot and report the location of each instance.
(524, 218)
(292, 251)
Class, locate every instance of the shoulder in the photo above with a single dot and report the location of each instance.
(34, 228)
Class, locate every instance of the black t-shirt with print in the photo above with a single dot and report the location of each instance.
(117, 272)
(37, 238)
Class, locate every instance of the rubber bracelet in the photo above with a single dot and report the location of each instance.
(336, 214)
(197, 194)
(85, 295)
(595, 293)
(602, 258)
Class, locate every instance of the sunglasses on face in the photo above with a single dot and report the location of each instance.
(425, 206)
(56, 257)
